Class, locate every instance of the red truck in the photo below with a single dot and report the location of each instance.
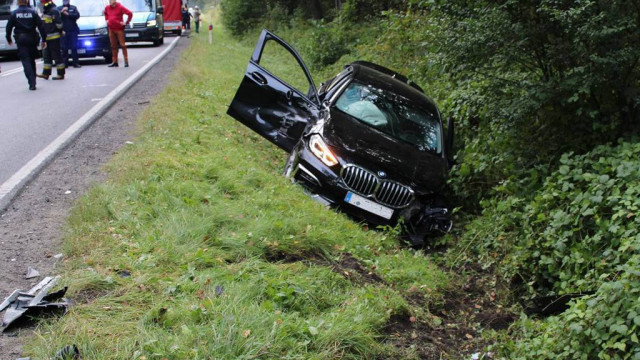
(173, 16)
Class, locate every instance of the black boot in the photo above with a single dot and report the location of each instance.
(115, 64)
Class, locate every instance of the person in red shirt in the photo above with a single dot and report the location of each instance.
(114, 15)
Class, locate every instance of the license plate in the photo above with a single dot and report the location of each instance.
(131, 35)
(82, 51)
(368, 205)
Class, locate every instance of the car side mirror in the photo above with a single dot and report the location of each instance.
(160, 10)
(449, 141)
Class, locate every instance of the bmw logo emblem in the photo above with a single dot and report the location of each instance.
(382, 174)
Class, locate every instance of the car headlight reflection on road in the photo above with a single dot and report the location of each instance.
(321, 150)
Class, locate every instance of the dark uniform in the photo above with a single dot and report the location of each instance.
(25, 20)
(53, 28)
(69, 41)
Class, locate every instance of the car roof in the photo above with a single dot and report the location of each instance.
(387, 79)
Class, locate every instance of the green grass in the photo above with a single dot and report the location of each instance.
(198, 213)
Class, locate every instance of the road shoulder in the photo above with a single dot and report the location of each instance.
(31, 228)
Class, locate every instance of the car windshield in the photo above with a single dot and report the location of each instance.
(137, 5)
(89, 8)
(392, 114)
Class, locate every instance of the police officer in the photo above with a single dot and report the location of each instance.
(70, 16)
(25, 20)
(53, 29)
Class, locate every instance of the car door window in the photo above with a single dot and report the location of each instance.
(283, 65)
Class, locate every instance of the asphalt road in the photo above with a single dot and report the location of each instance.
(31, 120)
(31, 227)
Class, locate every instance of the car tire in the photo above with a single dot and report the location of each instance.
(157, 42)
(107, 59)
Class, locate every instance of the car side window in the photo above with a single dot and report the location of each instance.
(281, 63)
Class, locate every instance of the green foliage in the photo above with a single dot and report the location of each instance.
(240, 16)
(534, 79)
(571, 235)
(601, 326)
(325, 44)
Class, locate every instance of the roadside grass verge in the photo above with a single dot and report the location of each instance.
(197, 248)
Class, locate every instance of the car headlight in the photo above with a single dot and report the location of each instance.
(321, 150)
(151, 23)
(102, 31)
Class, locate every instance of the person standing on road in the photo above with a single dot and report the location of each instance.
(196, 17)
(114, 14)
(53, 29)
(25, 20)
(70, 16)
(186, 18)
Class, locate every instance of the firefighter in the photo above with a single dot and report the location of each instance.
(25, 21)
(53, 28)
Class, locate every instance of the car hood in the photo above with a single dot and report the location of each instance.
(357, 143)
(91, 22)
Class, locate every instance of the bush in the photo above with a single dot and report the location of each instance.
(601, 326)
(577, 230)
(240, 16)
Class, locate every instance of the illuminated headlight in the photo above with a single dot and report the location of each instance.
(321, 150)
(102, 31)
(151, 23)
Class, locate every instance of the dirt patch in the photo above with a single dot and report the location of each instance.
(32, 224)
(454, 331)
(352, 269)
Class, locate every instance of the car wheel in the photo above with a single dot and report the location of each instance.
(107, 59)
(157, 42)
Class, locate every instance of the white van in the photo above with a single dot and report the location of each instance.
(6, 7)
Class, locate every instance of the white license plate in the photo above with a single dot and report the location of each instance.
(368, 205)
(131, 35)
(82, 51)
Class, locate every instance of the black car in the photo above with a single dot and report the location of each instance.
(367, 142)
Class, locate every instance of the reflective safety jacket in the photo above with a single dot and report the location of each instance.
(52, 21)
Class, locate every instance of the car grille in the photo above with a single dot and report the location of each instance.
(139, 25)
(385, 192)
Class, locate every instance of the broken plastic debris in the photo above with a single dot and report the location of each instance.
(67, 192)
(57, 256)
(69, 352)
(35, 300)
(31, 273)
(124, 273)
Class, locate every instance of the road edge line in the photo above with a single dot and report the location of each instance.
(12, 186)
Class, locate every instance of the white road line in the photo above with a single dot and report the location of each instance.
(12, 186)
(16, 70)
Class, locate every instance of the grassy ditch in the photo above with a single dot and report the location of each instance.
(197, 248)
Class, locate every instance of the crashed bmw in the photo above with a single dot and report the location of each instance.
(368, 141)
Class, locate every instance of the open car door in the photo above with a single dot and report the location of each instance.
(275, 109)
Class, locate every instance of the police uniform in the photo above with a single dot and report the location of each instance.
(52, 20)
(69, 41)
(25, 20)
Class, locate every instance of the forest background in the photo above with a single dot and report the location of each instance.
(546, 186)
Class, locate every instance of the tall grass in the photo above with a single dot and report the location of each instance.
(227, 260)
